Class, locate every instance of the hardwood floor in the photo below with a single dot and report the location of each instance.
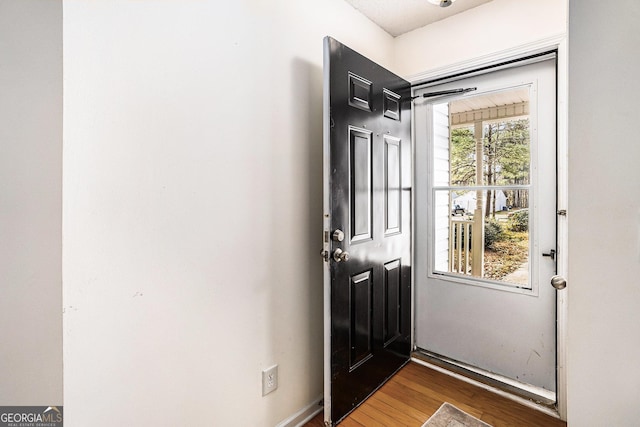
(416, 392)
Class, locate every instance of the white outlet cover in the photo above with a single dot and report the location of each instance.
(269, 379)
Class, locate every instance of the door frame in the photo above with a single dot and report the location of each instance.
(559, 44)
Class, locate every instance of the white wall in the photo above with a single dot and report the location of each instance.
(30, 202)
(604, 214)
(492, 27)
(193, 206)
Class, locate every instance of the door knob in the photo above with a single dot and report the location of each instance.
(340, 255)
(338, 235)
(558, 282)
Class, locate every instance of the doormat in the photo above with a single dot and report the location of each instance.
(450, 416)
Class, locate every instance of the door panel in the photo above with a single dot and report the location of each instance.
(361, 189)
(506, 329)
(360, 322)
(393, 185)
(393, 303)
(367, 197)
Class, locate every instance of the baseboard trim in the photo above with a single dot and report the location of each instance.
(304, 415)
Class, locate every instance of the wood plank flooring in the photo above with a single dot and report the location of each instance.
(416, 392)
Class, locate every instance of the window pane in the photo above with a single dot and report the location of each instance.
(483, 234)
(492, 130)
(506, 152)
(441, 156)
(463, 156)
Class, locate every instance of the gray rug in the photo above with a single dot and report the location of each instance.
(450, 416)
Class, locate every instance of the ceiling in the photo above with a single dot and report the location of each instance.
(490, 100)
(397, 17)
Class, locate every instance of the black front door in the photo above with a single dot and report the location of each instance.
(367, 226)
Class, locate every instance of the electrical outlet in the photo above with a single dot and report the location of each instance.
(269, 380)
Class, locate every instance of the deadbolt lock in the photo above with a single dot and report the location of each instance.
(338, 235)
